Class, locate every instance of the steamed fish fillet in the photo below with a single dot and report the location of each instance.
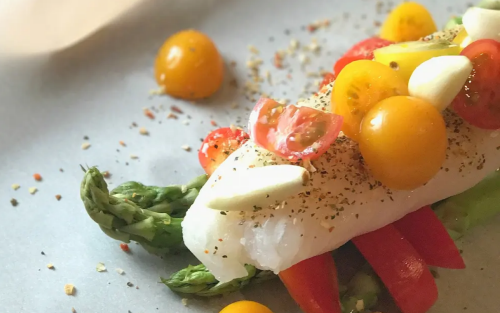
(341, 201)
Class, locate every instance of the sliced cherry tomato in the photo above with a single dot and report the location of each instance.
(400, 267)
(189, 66)
(365, 48)
(342, 62)
(408, 21)
(293, 132)
(313, 284)
(429, 237)
(218, 145)
(328, 78)
(359, 86)
(479, 101)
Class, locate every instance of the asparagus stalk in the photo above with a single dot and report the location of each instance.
(458, 214)
(126, 220)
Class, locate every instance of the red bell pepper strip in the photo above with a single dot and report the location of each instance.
(400, 267)
(313, 284)
(429, 237)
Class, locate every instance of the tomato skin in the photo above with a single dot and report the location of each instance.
(430, 239)
(189, 66)
(218, 145)
(328, 78)
(365, 48)
(400, 267)
(313, 284)
(245, 307)
(479, 100)
(403, 141)
(342, 62)
(292, 132)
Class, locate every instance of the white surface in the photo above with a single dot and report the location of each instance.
(98, 88)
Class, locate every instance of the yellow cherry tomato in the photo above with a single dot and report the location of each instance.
(405, 57)
(361, 85)
(462, 39)
(403, 141)
(408, 21)
(246, 307)
(189, 66)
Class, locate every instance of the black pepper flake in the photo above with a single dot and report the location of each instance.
(224, 256)
(130, 284)
(42, 253)
(357, 216)
(216, 146)
(14, 202)
(223, 213)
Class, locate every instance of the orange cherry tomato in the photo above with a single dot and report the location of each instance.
(189, 66)
(403, 141)
(218, 145)
(246, 307)
(293, 132)
(407, 22)
(361, 85)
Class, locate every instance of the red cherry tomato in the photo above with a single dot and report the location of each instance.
(313, 284)
(218, 145)
(479, 100)
(342, 62)
(366, 47)
(400, 267)
(429, 237)
(328, 78)
(293, 132)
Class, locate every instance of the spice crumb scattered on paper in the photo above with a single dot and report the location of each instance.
(186, 148)
(143, 131)
(69, 289)
(184, 301)
(15, 186)
(134, 157)
(172, 115)
(106, 174)
(100, 267)
(14, 202)
(37, 177)
(85, 145)
(50, 266)
(120, 271)
(122, 143)
(130, 284)
(32, 190)
(58, 197)
(176, 109)
(73, 310)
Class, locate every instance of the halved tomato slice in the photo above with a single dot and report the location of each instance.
(293, 132)
(218, 145)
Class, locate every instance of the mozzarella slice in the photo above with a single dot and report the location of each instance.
(253, 189)
(482, 23)
(439, 79)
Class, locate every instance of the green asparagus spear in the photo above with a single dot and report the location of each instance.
(174, 200)
(199, 281)
(472, 207)
(124, 220)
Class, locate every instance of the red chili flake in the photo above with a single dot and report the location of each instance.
(331, 229)
(106, 174)
(149, 114)
(124, 247)
(37, 177)
(278, 60)
(311, 28)
(206, 251)
(176, 109)
(213, 123)
(122, 143)
(220, 240)
(58, 197)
